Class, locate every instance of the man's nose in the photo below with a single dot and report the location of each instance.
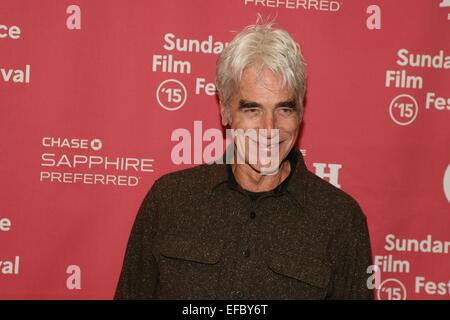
(268, 124)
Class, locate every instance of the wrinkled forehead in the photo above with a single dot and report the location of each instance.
(256, 80)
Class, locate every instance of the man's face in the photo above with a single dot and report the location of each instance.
(262, 102)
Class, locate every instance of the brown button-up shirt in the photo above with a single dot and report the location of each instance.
(199, 235)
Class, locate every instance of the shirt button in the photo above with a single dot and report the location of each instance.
(246, 253)
(252, 215)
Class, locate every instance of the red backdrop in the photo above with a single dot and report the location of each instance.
(91, 92)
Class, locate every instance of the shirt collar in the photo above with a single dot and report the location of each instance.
(295, 184)
(292, 157)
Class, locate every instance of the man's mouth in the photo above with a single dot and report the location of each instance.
(267, 146)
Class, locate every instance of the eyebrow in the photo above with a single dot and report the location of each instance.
(246, 104)
(292, 104)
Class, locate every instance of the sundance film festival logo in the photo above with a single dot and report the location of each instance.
(171, 93)
(404, 108)
(392, 288)
(77, 161)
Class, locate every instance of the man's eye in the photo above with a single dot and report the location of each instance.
(286, 110)
(251, 110)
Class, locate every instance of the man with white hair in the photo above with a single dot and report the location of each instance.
(236, 230)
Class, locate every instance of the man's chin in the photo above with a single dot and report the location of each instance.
(265, 170)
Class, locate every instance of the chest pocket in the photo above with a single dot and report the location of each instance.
(189, 268)
(206, 251)
(299, 276)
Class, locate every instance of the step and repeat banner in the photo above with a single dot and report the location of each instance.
(98, 97)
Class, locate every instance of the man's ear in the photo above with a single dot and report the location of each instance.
(224, 113)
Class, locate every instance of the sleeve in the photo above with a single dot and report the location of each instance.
(139, 276)
(349, 280)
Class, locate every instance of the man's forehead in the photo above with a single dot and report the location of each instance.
(261, 76)
(264, 83)
(264, 94)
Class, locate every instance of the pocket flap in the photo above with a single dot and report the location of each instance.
(304, 268)
(199, 250)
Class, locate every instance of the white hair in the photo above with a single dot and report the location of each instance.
(264, 47)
